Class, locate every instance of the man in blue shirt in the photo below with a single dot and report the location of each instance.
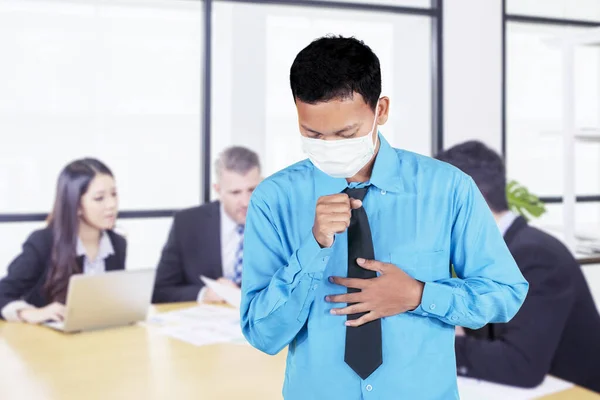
(348, 254)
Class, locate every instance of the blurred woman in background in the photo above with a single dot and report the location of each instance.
(78, 240)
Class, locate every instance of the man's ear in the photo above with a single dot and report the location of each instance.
(384, 110)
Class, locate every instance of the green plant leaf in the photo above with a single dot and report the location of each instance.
(522, 202)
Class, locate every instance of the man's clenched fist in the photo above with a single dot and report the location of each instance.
(333, 216)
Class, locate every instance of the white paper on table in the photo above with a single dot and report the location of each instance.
(201, 336)
(201, 325)
(473, 389)
(232, 295)
(200, 314)
(192, 335)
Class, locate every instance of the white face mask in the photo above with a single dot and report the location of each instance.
(342, 158)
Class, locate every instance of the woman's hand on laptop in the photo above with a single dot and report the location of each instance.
(52, 312)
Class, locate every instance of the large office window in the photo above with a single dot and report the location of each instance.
(115, 80)
(533, 104)
(254, 46)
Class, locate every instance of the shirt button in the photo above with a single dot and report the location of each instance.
(369, 388)
(432, 307)
(454, 318)
(462, 370)
(325, 259)
(315, 287)
(383, 192)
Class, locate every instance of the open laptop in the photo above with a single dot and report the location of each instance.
(115, 298)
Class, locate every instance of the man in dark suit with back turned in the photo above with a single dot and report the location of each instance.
(208, 240)
(557, 330)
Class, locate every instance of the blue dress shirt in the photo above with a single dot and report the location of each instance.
(424, 216)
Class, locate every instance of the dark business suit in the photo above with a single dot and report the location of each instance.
(192, 249)
(27, 273)
(557, 330)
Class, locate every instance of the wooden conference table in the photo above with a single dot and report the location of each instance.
(137, 362)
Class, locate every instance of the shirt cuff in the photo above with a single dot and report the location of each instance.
(201, 294)
(10, 312)
(436, 299)
(311, 257)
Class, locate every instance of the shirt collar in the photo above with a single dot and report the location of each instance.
(386, 173)
(227, 224)
(105, 247)
(506, 221)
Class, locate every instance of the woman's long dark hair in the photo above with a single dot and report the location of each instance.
(73, 182)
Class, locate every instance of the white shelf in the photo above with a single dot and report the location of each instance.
(586, 243)
(583, 233)
(588, 134)
(590, 37)
(583, 134)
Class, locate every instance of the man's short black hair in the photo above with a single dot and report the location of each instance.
(486, 168)
(335, 67)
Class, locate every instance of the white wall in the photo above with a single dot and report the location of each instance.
(473, 72)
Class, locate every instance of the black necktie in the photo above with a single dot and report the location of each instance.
(363, 343)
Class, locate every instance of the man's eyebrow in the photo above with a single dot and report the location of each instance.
(346, 129)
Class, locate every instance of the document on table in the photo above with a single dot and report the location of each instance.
(473, 389)
(201, 325)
